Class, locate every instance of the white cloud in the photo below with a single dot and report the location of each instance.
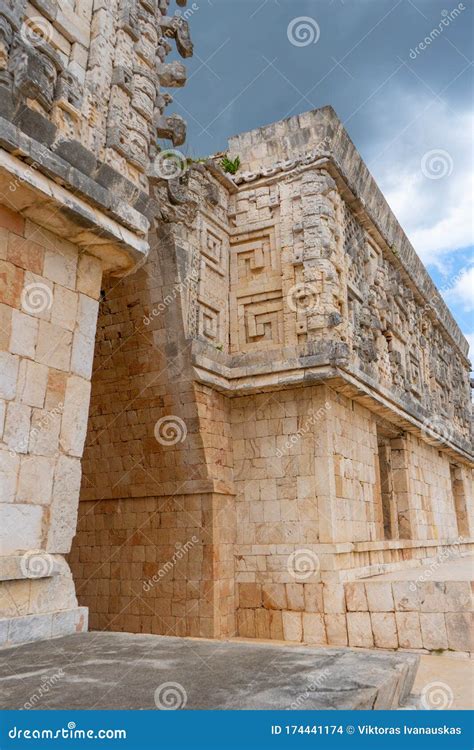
(435, 211)
(462, 291)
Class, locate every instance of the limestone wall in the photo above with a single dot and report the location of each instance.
(83, 79)
(81, 108)
(158, 458)
(255, 387)
(431, 492)
(349, 273)
(49, 292)
(148, 565)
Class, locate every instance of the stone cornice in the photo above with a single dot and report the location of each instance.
(235, 376)
(67, 215)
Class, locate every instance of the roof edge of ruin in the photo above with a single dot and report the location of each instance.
(364, 187)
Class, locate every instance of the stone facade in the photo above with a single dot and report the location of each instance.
(280, 407)
(82, 100)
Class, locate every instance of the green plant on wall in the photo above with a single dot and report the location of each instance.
(230, 165)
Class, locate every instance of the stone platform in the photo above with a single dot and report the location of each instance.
(428, 608)
(131, 671)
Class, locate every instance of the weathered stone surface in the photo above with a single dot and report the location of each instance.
(408, 628)
(356, 599)
(74, 417)
(433, 631)
(292, 626)
(276, 328)
(384, 629)
(460, 631)
(406, 596)
(63, 510)
(21, 527)
(76, 179)
(281, 678)
(314, 630)
(359, 630)
(379, 597)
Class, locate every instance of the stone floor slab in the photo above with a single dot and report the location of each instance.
(129, 671)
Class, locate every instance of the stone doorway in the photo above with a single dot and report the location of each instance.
(459, 499)
(385, 487)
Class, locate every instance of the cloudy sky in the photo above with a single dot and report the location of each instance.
(408, 110)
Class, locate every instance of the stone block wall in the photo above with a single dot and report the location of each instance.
(147, 565)
(426, 615)
(82, 105)
(268, 370)
(423, 616)
(158, 459)
(431, 492)
(354, 279)
(49, 292)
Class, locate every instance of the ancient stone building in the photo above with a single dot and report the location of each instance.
(280, 411)
(279, 407)
(81, 105)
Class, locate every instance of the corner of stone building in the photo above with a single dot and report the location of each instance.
(75, 207)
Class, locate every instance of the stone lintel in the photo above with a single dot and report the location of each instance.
(68, 215)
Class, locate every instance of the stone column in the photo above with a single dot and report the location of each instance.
(49, 292)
